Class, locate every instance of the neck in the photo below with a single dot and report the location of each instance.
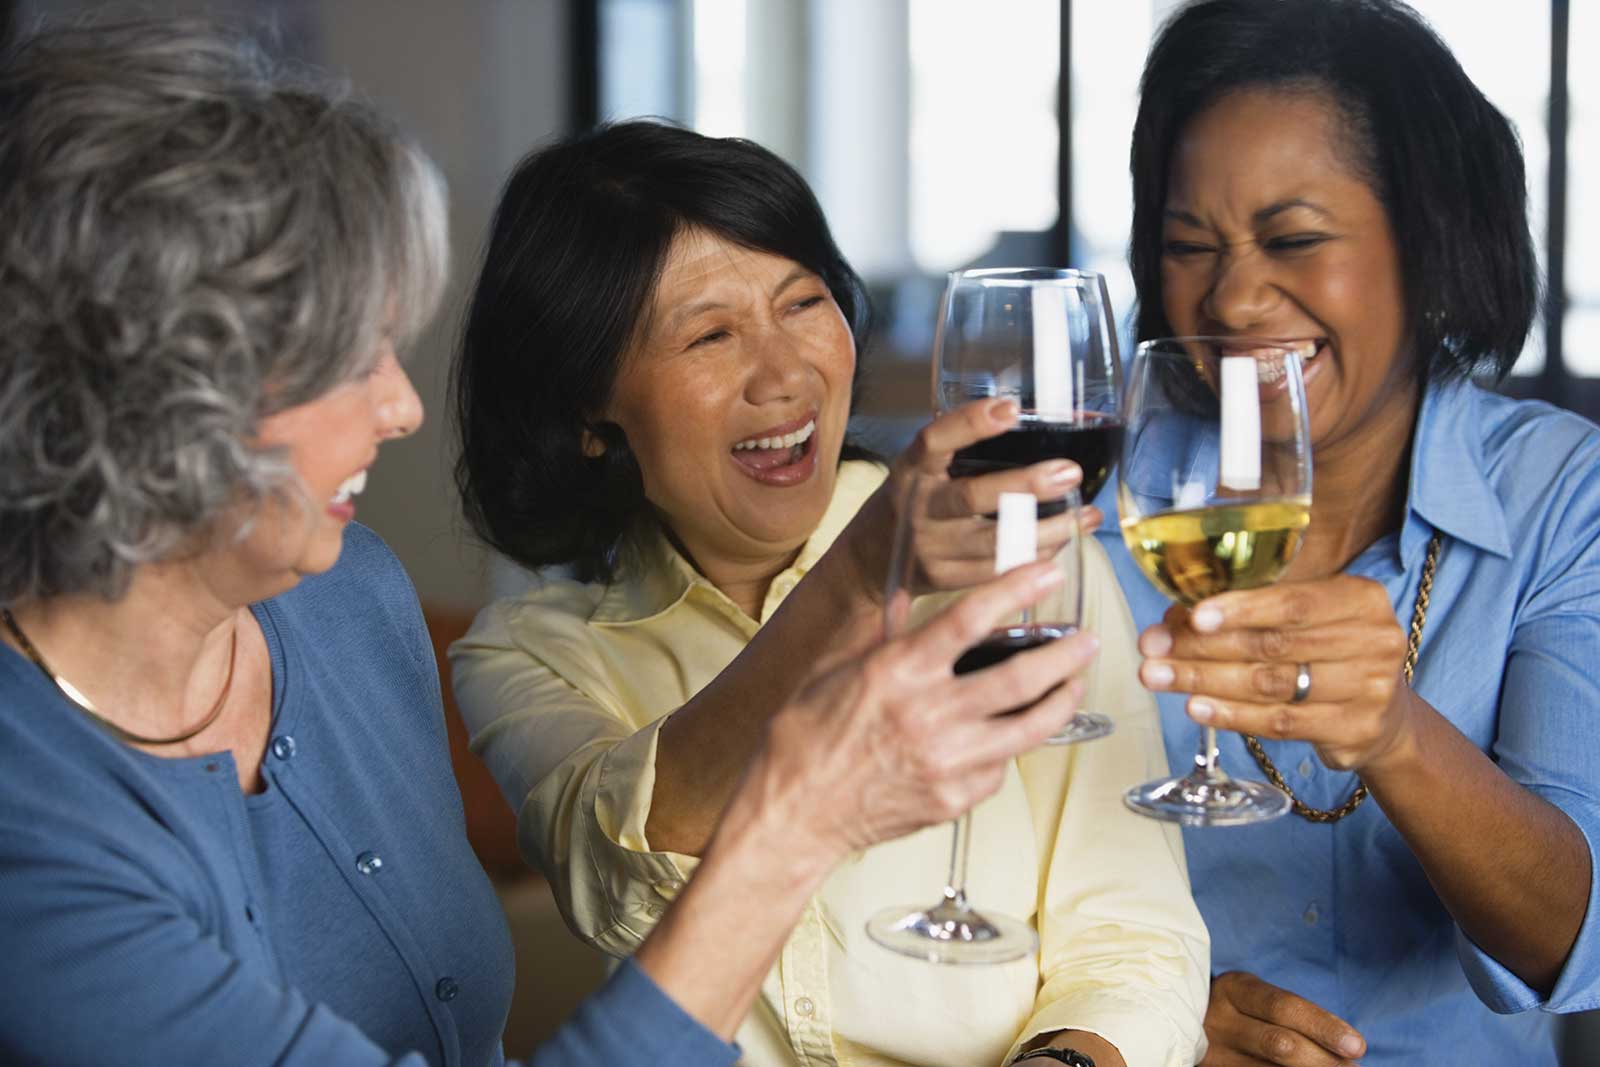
(153, 662)
(1361, 485)
(742, 579)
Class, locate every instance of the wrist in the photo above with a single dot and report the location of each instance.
(766, 827)
(1403, 754)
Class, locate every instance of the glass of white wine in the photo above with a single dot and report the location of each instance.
(1214, 494)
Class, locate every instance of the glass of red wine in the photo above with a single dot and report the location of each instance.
(952, 930)
(1046, 339)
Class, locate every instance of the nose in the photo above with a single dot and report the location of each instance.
(1241, 296)
(780, 369)
(396, 404)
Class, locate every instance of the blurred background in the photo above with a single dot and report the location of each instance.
(938, 134)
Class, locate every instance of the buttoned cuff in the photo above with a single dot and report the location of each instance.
(638, 882)
(1145, 1034)
(1577, 987)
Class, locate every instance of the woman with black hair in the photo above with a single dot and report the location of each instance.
(652, 391)
(1324, 171)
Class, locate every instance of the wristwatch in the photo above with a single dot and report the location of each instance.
(1071, 1057)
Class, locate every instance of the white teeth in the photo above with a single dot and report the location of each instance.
(788, 440)
(352, 487)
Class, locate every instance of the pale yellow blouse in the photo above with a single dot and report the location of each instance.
(563, 689)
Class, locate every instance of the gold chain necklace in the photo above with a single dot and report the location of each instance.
(78, 701)
(1419, 617)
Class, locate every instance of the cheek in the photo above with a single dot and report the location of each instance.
(1182, 291)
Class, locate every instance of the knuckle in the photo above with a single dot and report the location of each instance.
(1271, 680)
(1297, 606)
(1393, 642)
(1281, 723)
(1379, 689)
(1277, 1043)
(1272, 644)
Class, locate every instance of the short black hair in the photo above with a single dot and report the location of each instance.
(573, 258)
(1445, 164)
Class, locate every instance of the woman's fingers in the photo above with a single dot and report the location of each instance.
(1024, 679)
(930, 451)
(1248, 1017)
(1332, 681)
(972, 617)
(1338, 641)
(1050, 480)
(1291, 605)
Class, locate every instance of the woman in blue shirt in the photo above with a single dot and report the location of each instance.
(1323, 170)
(228, 827)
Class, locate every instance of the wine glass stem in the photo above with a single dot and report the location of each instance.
(955, 888)
(1205, 761)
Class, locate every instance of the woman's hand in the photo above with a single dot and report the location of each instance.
(955, 532)
(1238, 654)
(1250, 1022)
(896, 741)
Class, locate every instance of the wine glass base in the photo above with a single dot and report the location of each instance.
(1195, 800)
(948, 933)
(1084, 726)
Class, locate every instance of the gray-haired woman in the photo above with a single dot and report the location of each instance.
(228, 828)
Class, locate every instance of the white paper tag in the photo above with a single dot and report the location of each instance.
(1241, 425)
(1017, 536)
(1052, 352)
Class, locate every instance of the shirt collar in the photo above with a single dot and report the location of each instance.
(1449, 490)
(664, 577)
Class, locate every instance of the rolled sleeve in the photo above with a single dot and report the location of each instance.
(579, 776)
(1123, 953)
(1547, 742)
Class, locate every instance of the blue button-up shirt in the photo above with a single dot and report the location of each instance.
(1342, 914)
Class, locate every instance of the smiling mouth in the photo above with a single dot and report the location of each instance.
(351, 488)
(765, 454)
(1269, 366)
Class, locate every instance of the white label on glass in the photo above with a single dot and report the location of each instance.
(1016, 540)
(1241, 424)
(1052, 352)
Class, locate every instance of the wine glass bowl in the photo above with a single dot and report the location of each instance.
(1045, 339)
(1214, 494)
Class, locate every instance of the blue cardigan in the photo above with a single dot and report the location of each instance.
(152, 913)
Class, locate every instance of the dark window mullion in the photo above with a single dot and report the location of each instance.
(1556, 381)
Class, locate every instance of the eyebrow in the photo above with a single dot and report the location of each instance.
(1265, 215)
(689, 311)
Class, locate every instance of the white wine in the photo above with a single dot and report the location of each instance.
(1200, 552)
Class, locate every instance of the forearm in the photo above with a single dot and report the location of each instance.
(1454, 806)
(704, 746)
(713, 948)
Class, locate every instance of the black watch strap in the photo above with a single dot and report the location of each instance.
(1068, 1056)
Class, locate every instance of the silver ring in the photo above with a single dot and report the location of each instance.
(1302, 683)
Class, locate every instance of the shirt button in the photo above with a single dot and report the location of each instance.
(805, 1006)
(447, 989)
(1311, 914)
(283, 747)
(1305, 768)
(670, 885)
(655, 911)
(369, 863)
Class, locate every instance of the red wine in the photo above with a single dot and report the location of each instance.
(1003, 644)
(1092, 445)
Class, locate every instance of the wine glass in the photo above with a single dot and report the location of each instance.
(1214, 493)
(1044, 338)
(952, 930)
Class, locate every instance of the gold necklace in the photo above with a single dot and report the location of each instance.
(71, 693)
(1419, 617)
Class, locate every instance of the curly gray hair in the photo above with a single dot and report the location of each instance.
(190, 239)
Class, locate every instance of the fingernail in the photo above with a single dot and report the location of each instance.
(1202, 711)
(1004, 411)
(1064, 474)
(1158, 675)
(1351, 1045)
(1206, 618)
(1157, 641)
